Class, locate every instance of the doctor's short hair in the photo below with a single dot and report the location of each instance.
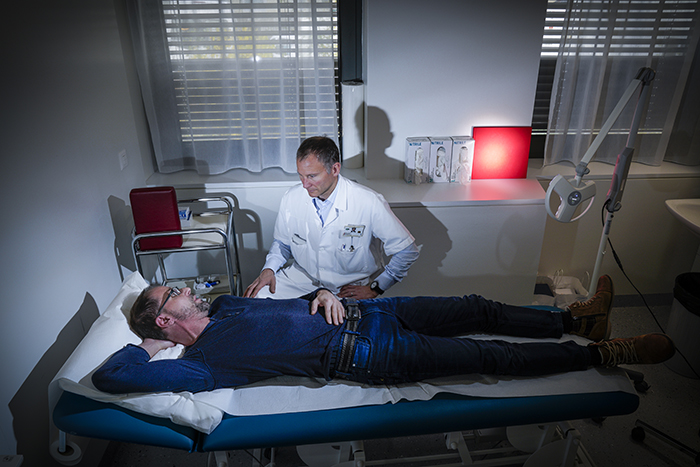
(142, 317)
(324, 148)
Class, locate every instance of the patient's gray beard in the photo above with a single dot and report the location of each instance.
(194, 309)
(203, 308)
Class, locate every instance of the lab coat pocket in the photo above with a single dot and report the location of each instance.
(298, 240)
(300, 250)
(352, 260)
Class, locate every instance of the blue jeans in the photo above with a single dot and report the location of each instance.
(411, 339)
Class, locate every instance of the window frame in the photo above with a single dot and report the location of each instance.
(633, 44)
(249, 134)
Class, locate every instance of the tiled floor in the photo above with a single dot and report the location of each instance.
(671, 405)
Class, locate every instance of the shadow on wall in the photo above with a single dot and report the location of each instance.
(471, 250)
(424, 277)
(510, 243)
(30, 406)
(123, 225)
(379, 137)
(250, 244)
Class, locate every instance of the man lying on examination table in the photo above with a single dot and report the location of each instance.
(239, 340)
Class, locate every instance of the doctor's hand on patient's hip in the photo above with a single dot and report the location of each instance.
(333, 309)
(359, 292)
(266, 277)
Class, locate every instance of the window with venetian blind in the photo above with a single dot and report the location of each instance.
(235, 83)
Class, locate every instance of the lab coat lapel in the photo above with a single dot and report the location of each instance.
(312, 218)
(341, 201)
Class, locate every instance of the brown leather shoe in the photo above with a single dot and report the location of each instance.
(646, 349)
(592, 317)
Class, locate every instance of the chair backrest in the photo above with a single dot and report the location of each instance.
(155, 210)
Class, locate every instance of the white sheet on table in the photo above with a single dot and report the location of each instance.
(204, 411)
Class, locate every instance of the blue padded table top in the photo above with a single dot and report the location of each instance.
(444, 413)
(82, 416)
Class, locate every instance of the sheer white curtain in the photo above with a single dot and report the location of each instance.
(603, 45)
(235, 83)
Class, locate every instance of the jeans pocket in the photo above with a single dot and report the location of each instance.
(363, 350)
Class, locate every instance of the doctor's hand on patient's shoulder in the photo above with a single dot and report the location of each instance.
(153, 346)
(266, 277)
(359, 292)
(333, 309)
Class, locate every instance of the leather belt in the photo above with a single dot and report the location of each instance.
(352, 320)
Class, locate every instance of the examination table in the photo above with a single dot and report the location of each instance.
(301, 411)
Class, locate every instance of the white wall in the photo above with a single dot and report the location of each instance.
(440, 68)
(67, 113)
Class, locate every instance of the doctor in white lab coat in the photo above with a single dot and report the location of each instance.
(333, 229)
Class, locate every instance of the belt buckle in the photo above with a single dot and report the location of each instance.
(352, 309)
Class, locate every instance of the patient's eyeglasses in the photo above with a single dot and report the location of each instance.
(174, 292)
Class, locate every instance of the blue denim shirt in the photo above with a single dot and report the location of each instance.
(247, 340)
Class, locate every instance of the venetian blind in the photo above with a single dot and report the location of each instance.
(636, 28)
(247, 81)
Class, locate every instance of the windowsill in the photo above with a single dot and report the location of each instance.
(275, 176)
(602, 171)
(401, 194)
(396, 191)
(240, 178)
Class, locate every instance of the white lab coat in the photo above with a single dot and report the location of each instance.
(339, 252)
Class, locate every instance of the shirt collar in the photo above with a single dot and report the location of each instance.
(318, 202)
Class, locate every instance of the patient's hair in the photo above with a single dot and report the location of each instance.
(324, 148)
(142, 318)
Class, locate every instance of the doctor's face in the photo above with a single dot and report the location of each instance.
(314, 177)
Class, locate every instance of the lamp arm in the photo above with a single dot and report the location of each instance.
(573, 192)
(644, 77)
(624, 159)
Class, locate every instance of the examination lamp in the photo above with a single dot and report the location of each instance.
(501, 152)
(572, 193)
